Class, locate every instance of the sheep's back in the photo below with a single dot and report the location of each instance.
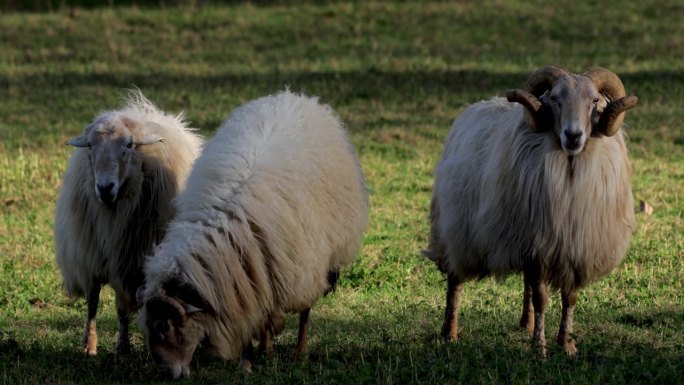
(284, 166)
(274, 202)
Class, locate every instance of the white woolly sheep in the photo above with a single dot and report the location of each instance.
(542, 187)
(115, 204)
(275, 205)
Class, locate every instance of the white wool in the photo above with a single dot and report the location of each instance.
(96, 244)
(505, 196)
(275, 202)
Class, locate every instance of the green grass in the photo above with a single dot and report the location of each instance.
(398, 74)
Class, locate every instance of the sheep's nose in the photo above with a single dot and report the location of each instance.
(105, 191)
(573, 138)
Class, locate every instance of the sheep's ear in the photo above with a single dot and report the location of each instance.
(147, 136)
(143, 134)
(189, 309)
(139, 296)
(192, 300)
(149, 139)
(79, 141)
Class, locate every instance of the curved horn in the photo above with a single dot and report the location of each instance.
(533, 105)
(525, 98)
(607, 82)
(611, 119)
(543, 78)
(539, 82)
(164, 307)
(610, 85)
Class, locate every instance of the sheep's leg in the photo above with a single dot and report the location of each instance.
(527, 319)
(540, 298)
(266, 341)
(453, 301)
(564, 338)
(123, 344)
(247, 358)
(303, 330)
(90, 335)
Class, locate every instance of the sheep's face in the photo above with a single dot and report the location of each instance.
(172, 333)
(174, 318)
(111, 142)
(575, 105)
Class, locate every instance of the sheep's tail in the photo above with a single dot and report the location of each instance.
(333, 277)
(435, 253)
(436, 249)
(429, 254)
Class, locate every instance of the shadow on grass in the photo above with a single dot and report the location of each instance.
(375, 350)
(357, 92)
(647, 320)
(59, 5)
(493, 349)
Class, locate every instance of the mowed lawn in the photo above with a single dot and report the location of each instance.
(397, 74)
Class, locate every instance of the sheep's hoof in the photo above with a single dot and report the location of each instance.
(301, 349)
(245, 366)
(90, 346)
(568, 347)
(540, 348)
(570, 350)
(268, 352)
(300, 356)
(123, 348)
(90, 350)
(527, 323)
(449, 333)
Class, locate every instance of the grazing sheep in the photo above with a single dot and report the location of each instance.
(115, 204)
(542, 187)
(275, 205)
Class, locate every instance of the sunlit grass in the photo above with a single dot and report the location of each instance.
(398, 74)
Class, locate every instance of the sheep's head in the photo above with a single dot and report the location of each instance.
(173, 326)
(111, 141)
(574, 107)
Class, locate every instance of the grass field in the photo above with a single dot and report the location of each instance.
(398, 74)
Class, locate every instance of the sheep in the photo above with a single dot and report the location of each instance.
(540, 185)
(275, 206)
(115, 203)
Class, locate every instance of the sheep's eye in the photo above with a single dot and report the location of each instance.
(162, 327)
(129, 145)
(595, 101)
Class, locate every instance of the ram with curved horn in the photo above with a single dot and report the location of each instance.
(538, 184)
